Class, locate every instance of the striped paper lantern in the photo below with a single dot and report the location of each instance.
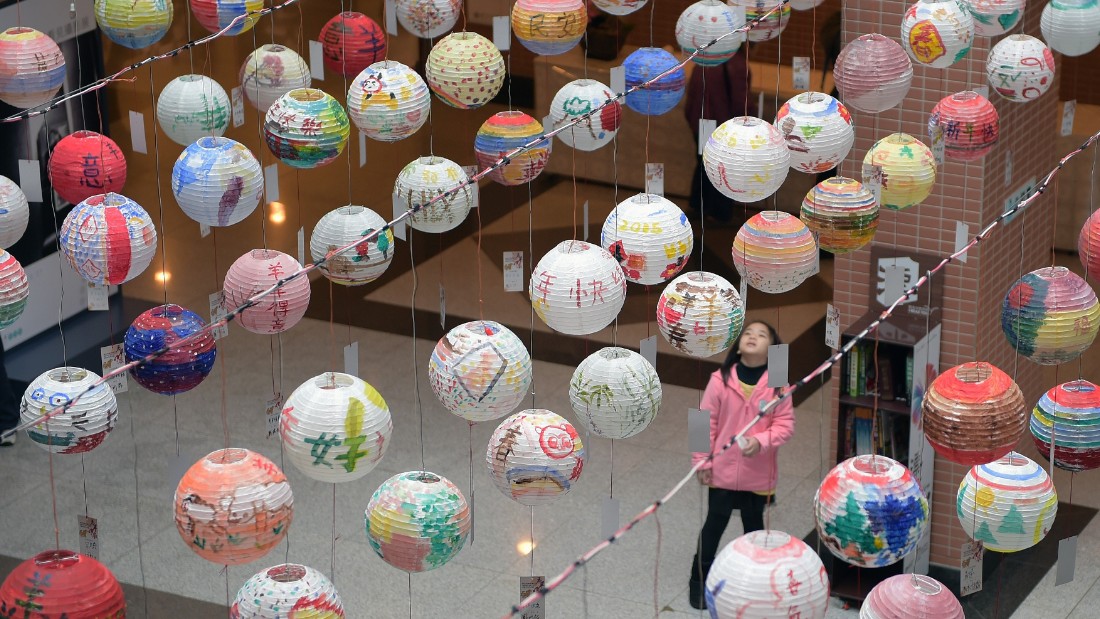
(937, 33)
(767, 574)
(969, 123)
(287, 590)
(805, 5)
(14, 289)
(578, 98)
(973, 413)
(361, 264)
(1088, 246)
(746, 159)
(1069, 414)
(14, 212)
(1071, 27)
(32, 67)
(818, 131)
(1020, 68)
(388, 101)
(700, 314)
(577, 288)
(660, 96)
(80, 428)
(615, 393)
(1050, 315)
(255, 272)
(873, 73)
(650, 237)
(427, 177)
(62, 583)
(911, 596)
(702, 23)
(180, 368)
(994, 17)
(465, 70)
(505, 132)
(270, 72)
(191, 107)
(535, 457)
(352, 42)
(134, 23)
(841, 213)
(108, 239)
(428, 19)
(549, 27)
(775, 252)
(84, 164)
(619, 7)
(216, 15)
(306, 128)
(1008, 504)
(908, 170)
(480, 371)
(217, 181)
(769, 27)
(417, 521)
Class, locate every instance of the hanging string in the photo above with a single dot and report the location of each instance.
(137, 507)
(415, 358)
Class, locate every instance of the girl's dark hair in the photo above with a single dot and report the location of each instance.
(734, 356)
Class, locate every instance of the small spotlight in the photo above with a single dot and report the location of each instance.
(162, 276)
(525, 547)
(277, 212)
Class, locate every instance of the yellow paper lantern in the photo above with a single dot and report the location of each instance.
(549, 27)
(465, 70)
(134, 23)
(908, 170)
(841, 213)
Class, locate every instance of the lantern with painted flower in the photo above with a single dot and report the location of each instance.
(191, 107)
(417, 521)
(287, 588)
(388, 101)
(480, 371)
(108, 239)
(767, 574)
(361, 264)
(619, 7)
(134, 23)
(78, 429)
(1069, 416)
(660, 96)
(14, 212)
(549, 27)
(465, 70)
(1071, 27)
(233, 16)
(1020, 68)
(352, 42)
(217, 181)
(535, 457)
(577, 288)
(775, 252)
(700, 314)
(773, 18)
(1050, 315)
(1008, 504)
(255, 272)
(270, 72)
(911, 596)
(84, 164)
(62, 583)
(503, 133)
(573, 102)
(702, 23)
(818, 131)
(615, 393)
(746, 159)
(841, 213)
(422, 181)
(306, 128)
(179, 368)
(873, 73)
(937, 33)
(906, 170)
(650, 237)
(969, 124)
(994, 17)
(33, 67)
(428, 19)
(973, 413)
(14, 289)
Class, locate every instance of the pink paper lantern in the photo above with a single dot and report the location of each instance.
(775, 251)
(84, 164)
(969, 123)
(32, 67)
(257, 271)
(1088, 246)
(873, 73)
(911, 596)
(62, 583)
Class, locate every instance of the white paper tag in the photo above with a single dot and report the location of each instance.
(970, 573)
(391, 18)
(302, 245)
(502, 32)
(1067, 560)
(832, 326)
(238, 106)
(513, 271)
(398, 209)
(760, 103)
(655, 178)
(204, 231)
(30, 180)
(137, 132)
(442, 307)
(362, 149)
(114, 357)
(89, 536)
(962, 237)
(618, 79)
(872, 180)
(893, 283)
(706, 127)
(738, 14)
(527, 586)
(1069, 109)
(217, 312)
(1008, 168)
(609, 517)
(939, 145)
(273, 410)
(97, 297)
(777, 365)
(316, 60)
(585, 214)
(470, 171)
(351, 359)
(800, 78)
(983, 91)
(271, 182)
(647, 348)
(698, 430)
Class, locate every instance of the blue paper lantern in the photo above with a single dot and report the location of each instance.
(180, 369)
(663, 94)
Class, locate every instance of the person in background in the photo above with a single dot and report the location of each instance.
(744, 477)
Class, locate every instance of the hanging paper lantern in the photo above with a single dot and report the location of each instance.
(80, 428)
(134, 23)
(424, 179)
(535, 457)
(775, 252)
(805, 5)
(480, 371)
(352, 42)
(700, 314)
(573, 102)
(361, 264)
(465, 70)
(388, 101)
(908, 170)
(216, 15)
(285, 591)
(179, 369)
(14, 212)
(870, 511)
(702, 23)
(818, 130)
(233, 506)
(191, 107)
(1088, 245)
(1020, 68)
(937, 33)
(108, 239)
(1070, 414)
(660, 96)
(841, 213)
(1050, 316)
(417, 521)
(428, 19)
(615, 393)
(911, 596)
(994, 17)
(746, 159)
(766, 574)
(270, 72)
(973, 413)
(1071, 27)
(549, 27)
(769, 27)
(873, 73)
(255, 272)
(32, 67)
(343, 414)
(306, 128)
(62, 583)
(84, 164)
(577, 288)
(969, 123)
(14, 289)
(650, 237)
(1008, 505)
(619, 7)
(505, 132)
(217, 181)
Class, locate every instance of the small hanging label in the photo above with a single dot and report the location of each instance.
(962, 237)
(706, 127)
(398, 209)
(655, 178)
(502, 32)
(1067, 560)
(777, 365)
(30, 180)
(217, 312)
(872, 180)
(137, 132)
(744, 292)
(618, 79)
(89, 535)
(470, 171)
(273, 410)
(647, 348)
(271, 182)
(351, 359)
(585, 214)
(527, 586)
(832, 326)
(983, 91)
(893, 283)
(1008, 168)
(800, 78)
(609, 517)
(513, 271)
(362, 149)
(97, 297)
(391, 17)
(970, 572)
(698, 430)
(760, 103)
(114, 357)
(1069, 109)
(302, 245)
(442, 307)
(238, 106)
(939, 146)
(316, 60)
(204, 231)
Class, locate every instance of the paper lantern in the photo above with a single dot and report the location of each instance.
(775, 252)
(217, 181)
(1071, 27)
(577, 288)
(335, 428)
(428, 19)
(973, 413)
(549, 27)
(32, 67)
(1020, 68)
(818, 130)
(573, 102)
(766, 574)
(700, 314)
(216, 15)
(969, 123)
(805, 5)
(615, 393)
(505, 132)
(134, 23)
(84, 164)
(908, 170)
(660, 96)
(352, 42)
(1050, 316)
(14, 289)
(480, 371)
(180, 368)
(770, 27)
(306, 128)
(388, 101)
(14, 212)
(650, 237)
(535, 457)
(870, 511)
(424, 179)
(994, 17)
(911, 596)
(746, 159)
(191, 107)
(1070, 415)
(285, 591)
(841, 213)
(619, 7)
(255, 272)
(465, 70)
(108, 239)
(937, 33)
(270, 72)
(1008, 505)
(1088, 245)
(233, 506)
(417, 521)
(80, 428)
(62, 583)
(873, 73)
(361, 264)
(702, 23)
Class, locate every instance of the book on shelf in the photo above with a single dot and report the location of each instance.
(885, 379)
(864, 421)
(908, 375)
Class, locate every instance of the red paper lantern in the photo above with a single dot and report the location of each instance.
(62, 583)
(352, 42)
(86, 164)
(974, 413)
(969, 123)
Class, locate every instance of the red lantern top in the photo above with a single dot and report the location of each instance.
(62, 583)
(86, 164)
(352, 42)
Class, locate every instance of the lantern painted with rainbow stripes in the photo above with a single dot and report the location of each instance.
(32, 67)
(1069, 414)
(773, 18)
(973, 413)
(306, 128)
(108, 239)
(1050, 315)
(505, 132)
(535, 457)
(417, 521)
(1008, 504)
(775, 252)
(842, 213)
(180, 368)
(549, 27)
(134, 23)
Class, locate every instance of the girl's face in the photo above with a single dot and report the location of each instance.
(755, 339)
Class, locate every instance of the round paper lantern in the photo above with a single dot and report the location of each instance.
(217, 181)
(255, 272)
(1050, 315)
(766, 574)
(818, 130)
(80, 428)
(32, 67)
(873, 73)
(700, 314)
(270, 72)
(573, 102)
(908, 170)
(287, 590)
(549, 27)
(937, 33)
(841, 213)
(746, 159)
(134, 23)
(805, 5)
(973, 413)
(660, 96)
(428, 19)
(775, 251)
(179, 369)
(424, 179)
(84, 164)
(1020, 68)
(417, 521)
(480, 371)
(388, 101)
(1071, 27)
(216, 15)
(191, 107)
(1088, 245)
(615, 393)
(772, 25)
(306, 128)
(650, 237)
(14, 289)
(14, 212)
(335, 428)
(535, 457)
(994, 17)
(352, 42)
(108, 239)
(704, 22)
(361, 264)
(969, 123)
(233, 506)
(505, 132)
(577, 288)
(911, 596)
(1008, 505)
(465, 70)
(619, 7)
(1070, 415)
(62, 583)
(870, 511)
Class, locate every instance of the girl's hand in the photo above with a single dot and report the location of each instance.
(704, 476)
(751, 448)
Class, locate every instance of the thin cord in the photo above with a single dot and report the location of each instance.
(416, 364)
(137, 507)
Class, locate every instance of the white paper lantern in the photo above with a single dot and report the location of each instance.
(578, 98)
(615, 393)
(270, 72)
(14, 289)
(285, 591)
(805, 5)
(649, 236)
(535, 457)
(873, 73)
(191, 107)
(255, 272)
(428, 19)
(217, 181)
(619, 7)
(746, 159)
(1020, 68)
(424, 179)
(1071, 27)
(770, 27)
(577, 288)
(1008, 504)
(767, 574)
(705, 21)
(994, 17)
(108, 239)
(818, 130)
(480, 371)
(14, 212)
(388, 101)
(361, 264)
(84, 425)
(937, 33)
(700, 314)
